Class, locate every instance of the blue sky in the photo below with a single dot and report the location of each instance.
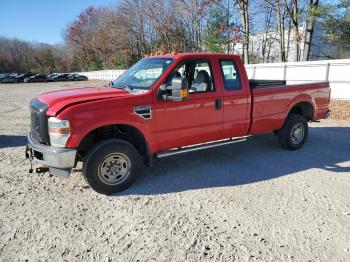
(41, 20)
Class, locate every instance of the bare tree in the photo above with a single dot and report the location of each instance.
(22, 56)
(293, 10)
(191, 14)
(266, 41)
(313, 12)
(281, 10)
(244, 11)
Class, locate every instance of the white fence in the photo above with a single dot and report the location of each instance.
(107, 75)
(337, 72)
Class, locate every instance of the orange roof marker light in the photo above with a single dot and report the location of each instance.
(160, 53)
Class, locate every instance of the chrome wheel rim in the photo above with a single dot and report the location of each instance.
(297, 133)
(114, 169)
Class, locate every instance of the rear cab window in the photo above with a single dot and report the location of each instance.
(230, 75)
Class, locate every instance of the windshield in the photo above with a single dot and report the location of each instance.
(143, 74)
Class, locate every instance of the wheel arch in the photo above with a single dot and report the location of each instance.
(124, 131)
(304, 106)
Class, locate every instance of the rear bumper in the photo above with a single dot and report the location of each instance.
(59, 160)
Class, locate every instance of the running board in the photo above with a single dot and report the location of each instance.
(183, 150)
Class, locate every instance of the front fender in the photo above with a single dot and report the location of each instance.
(78, 135)
(83, 121)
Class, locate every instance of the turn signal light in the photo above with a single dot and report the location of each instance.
(184, 93)
(60, 130)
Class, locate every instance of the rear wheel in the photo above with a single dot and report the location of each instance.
(294, 132)
(275, 132)
(111, 166)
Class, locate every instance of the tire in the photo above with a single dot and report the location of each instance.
(275, 132)
(111, 166)
(294, 132)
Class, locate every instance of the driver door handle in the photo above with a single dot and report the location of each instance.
(218, 104)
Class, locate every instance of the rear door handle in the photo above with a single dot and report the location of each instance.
(218, 104)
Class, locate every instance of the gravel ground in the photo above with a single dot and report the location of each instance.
(340, 109)
(251, 201)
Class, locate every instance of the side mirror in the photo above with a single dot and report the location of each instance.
(178, 91)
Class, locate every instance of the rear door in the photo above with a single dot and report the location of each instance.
(236, 100)
(197, 120)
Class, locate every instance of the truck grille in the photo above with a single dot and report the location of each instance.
(38, 126)
(35, 126)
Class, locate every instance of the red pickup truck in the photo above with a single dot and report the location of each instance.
(165, 105)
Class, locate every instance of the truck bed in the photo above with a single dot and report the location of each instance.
(271, 103)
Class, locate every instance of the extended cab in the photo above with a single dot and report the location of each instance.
(161, 106)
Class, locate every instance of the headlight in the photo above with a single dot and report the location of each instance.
(59, 131)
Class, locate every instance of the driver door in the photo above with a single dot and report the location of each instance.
(196, 120)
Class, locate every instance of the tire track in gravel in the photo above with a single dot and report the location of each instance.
(4, 109)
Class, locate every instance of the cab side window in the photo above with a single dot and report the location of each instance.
(198, 74)
(230, 75)
(202, 79)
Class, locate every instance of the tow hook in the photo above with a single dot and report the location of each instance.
(29, 155)
(41, 170)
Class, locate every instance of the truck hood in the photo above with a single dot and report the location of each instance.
(57, 100)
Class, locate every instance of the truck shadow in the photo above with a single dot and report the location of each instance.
(259, 159)
(12, 141)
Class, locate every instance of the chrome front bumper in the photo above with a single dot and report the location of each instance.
(60, 161)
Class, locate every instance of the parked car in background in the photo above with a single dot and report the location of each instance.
(60, 77)
(51, 76)
(2, 75)
(77, 77)
(8, 78)
(36, 78)
(21, 77)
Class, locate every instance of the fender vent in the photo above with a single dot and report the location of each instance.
(143, 111)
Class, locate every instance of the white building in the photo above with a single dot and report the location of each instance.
(265, 47)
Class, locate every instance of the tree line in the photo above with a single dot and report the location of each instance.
(23, 56)
(116, 36)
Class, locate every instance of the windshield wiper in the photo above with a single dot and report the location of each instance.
(125, 86)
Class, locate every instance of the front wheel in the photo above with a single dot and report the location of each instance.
(294, 132)
(111, 166)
